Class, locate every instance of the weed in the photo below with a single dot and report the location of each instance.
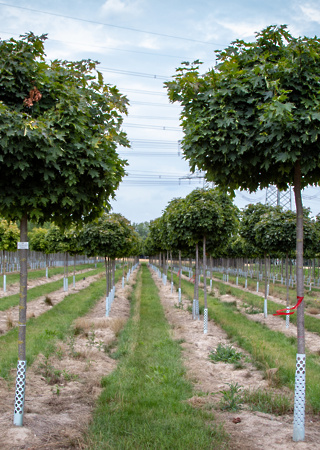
(272, 376)
(117, 325)
(91, 337)
(59, 352)
(71, 340)
(267, 402)
(9, 321)
(251, 309)
(232, 398)
(47, 370)
(48, 301)
(56, 389)
(69, 376)
(178, 306)
(225, 353)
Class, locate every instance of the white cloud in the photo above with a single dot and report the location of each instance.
(311, 13)
(121, 7)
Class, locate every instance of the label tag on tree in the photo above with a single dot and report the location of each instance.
(23, 245)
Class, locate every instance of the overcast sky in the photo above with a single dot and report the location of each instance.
(139, 44)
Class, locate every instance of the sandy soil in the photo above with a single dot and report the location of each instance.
(56, 414)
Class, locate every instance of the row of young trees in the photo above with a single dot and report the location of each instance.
(254, 120)
(207, 222)
(60, 127)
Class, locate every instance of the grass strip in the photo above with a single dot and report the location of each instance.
(14, 277)
(269, 349)
(144, 403)
(44, 331)
(44, 289)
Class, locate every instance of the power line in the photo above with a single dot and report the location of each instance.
(135, 74)
(164, 105)
(148, 153)
(141, 91)
(153, 127)
(137, 30)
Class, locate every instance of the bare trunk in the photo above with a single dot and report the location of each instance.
(23, 290)
(300, 375)
(180, 269)
(204, 273)
(196, 278)
(107, 274)
(299, 263)
(287, 278)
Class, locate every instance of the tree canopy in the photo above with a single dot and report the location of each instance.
(253, 118)
(60, 126)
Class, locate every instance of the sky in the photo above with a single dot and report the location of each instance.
(140, 44)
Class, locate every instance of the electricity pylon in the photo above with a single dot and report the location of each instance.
(274, 197)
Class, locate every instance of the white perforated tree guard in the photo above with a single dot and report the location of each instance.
(4, 283)
(107, 306)
(257, 286)
(20, 390)
(287, 319)
(122, 282)
(194, 309)
(197, 309)
(265, 308)
(205, 320)
(171, 286)
(299, 398)
(179, 294)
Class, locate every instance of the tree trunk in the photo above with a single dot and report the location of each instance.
(23, 290)
(180, 269)
(287, 279)
(106, 263)
(196, 278)
(299, 268)
(300, 381)
(21, 368)
(204, 273)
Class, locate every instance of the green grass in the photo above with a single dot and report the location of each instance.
(269, 349)
(33, 293)
(144, 403)
(44, 331)
(256, 302)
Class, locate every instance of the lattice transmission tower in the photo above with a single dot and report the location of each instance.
(274, 197)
